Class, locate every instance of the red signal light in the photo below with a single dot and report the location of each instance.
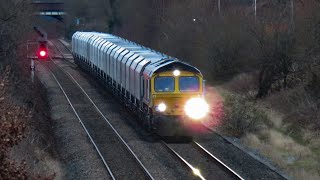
(42, 53)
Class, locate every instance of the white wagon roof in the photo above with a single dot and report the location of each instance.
(153, 61)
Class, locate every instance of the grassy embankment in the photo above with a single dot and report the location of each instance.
(283, 126)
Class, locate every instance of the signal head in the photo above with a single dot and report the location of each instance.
(42, 53)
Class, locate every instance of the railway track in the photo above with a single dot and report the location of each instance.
(227, 169)
(118, 158)
(201, 162)
(272, 168)
(210, 163)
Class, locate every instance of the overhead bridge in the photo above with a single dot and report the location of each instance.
(49, 8)
(51, 13)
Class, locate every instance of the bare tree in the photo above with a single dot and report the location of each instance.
(14, 22)
(309, 40)
(275, 38)
(13, 26)
(92, 15)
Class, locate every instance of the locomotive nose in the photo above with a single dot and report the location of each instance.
(174, 105)
(196, 108)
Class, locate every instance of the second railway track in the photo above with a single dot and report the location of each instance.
(120, 161)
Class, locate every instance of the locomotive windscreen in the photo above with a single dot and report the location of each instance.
(164, 84)
(189, 84)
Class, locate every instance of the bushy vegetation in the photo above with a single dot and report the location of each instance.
(12, 129)
(12, 17)
(243, 117)
(17, 99)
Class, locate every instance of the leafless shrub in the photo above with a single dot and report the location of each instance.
(243, 117)
(11, 132)
(244, 84)
(15, 113)
(19, 111)
(301, 109)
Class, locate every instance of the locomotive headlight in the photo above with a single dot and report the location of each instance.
(161, 107)
(176, 72)
(196, 108)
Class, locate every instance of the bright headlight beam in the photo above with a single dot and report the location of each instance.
(196, 108)
(161, 107)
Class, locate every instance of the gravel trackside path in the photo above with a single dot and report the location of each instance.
(78, 156)
(111, 149)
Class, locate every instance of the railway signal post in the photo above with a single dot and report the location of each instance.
(32, 56)
(37, 50)
(42, 51)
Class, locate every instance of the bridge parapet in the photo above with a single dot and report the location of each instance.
(49, 8)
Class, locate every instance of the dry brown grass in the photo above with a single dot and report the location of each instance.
(244, 84)
(297, 160)
(275, 117)
(281, 126)
(242, 116)
(12, 130)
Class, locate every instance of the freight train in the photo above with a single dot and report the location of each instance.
(166, 93)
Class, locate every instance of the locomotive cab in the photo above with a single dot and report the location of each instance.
(177, 100)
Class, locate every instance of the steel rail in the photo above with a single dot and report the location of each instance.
(218, 160)
(106, 119)
(193, 169)
(254, 157)
(270, 167)
(81, 122)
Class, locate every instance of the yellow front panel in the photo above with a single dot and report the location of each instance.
(176, 100)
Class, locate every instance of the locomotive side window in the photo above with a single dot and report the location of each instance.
(148, 90)
(164, 84)
(189, 83)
